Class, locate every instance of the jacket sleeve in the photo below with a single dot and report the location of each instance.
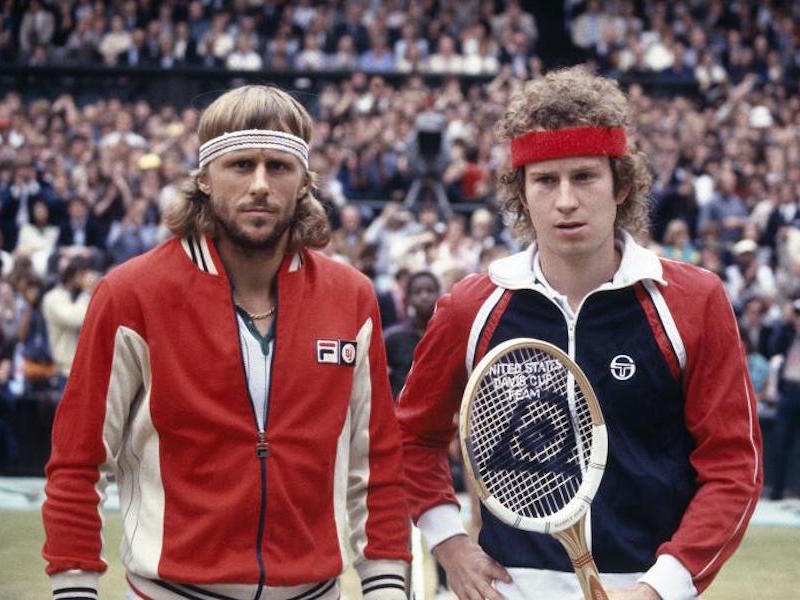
(720, 414)
(377, 511)
(87, 433)
(427, 409)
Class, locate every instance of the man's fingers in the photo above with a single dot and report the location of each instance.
(487, 592)
(497, 571)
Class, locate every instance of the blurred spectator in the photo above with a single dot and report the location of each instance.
(378, 58)
(345, 57)
(16, 200)
(311, 57)
(36, 28)
(244, 57)
(726, 211)
(79, 228)
(457, 250)
(38, 368)
(216, 44)
(758, 368)
(64, 307)
(786, 341)
(390, 229)
(138, 53)
(350, 24)
(422, 291)
(37, 239)
(132, 235)
(678, 243)
(445, 59)
(116, 42)
(348, 239)
(784, 216)
(753, 325)
(747, 276)
(514, 17)
(410, 38)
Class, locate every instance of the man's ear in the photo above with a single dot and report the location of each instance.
(202, 183)
(305, 188)
(621, 195)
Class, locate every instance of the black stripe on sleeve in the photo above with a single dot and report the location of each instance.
(175, 590)
(199, 590)
(383, 586)
(379, 577)
(316, 591)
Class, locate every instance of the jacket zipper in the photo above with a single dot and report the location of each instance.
(262, 452)
(261, 448)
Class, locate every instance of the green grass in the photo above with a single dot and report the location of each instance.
(761, 568)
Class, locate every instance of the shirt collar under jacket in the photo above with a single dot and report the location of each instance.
(522, 271)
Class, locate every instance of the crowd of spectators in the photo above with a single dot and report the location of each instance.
(461, 38)
(406, 169)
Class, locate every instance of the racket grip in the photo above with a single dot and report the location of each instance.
(589, 579)
(574, 541)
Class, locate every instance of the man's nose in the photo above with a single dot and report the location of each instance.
(260, 182)
(566, 200)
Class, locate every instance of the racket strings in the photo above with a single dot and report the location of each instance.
(530, 432)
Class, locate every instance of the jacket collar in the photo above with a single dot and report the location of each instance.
(203, 253)
(638, 263)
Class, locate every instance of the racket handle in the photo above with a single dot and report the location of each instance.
(574, 541)
(590, 581)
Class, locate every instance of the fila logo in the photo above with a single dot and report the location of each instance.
(336, 352)
(622, 367)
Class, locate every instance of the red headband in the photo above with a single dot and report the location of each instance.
(535, 146)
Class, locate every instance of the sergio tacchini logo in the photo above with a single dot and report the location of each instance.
(622, 367)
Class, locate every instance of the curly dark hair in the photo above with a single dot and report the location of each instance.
(574, 97)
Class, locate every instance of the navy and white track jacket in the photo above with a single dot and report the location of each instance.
(660, 345)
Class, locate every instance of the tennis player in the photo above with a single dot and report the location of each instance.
(657, 339)
(234, 381)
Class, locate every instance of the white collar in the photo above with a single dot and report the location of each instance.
(521, 270)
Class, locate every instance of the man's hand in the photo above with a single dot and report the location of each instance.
(641, 591)
(470, 571)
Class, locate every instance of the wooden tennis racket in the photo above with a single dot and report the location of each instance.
(535, 444)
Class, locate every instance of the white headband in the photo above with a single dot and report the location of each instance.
(254, 138)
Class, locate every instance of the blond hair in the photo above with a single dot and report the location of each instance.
(250, 107)
(574, 97)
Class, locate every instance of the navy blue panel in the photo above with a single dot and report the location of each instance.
(648, 480)
(528, 314)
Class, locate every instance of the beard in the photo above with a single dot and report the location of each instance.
(248, 242)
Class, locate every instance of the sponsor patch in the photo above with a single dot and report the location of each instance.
(336, 352)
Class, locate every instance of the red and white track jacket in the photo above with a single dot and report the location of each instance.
(158, 397)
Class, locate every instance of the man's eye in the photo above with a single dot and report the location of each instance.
(242, 164)
(276, 165)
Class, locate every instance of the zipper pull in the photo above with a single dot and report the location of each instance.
(262, 447)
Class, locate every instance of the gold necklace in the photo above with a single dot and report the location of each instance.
(257, 316)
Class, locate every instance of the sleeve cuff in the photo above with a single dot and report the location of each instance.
(440, 523)
(383, 579)
(74, 583)
(670, 579)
